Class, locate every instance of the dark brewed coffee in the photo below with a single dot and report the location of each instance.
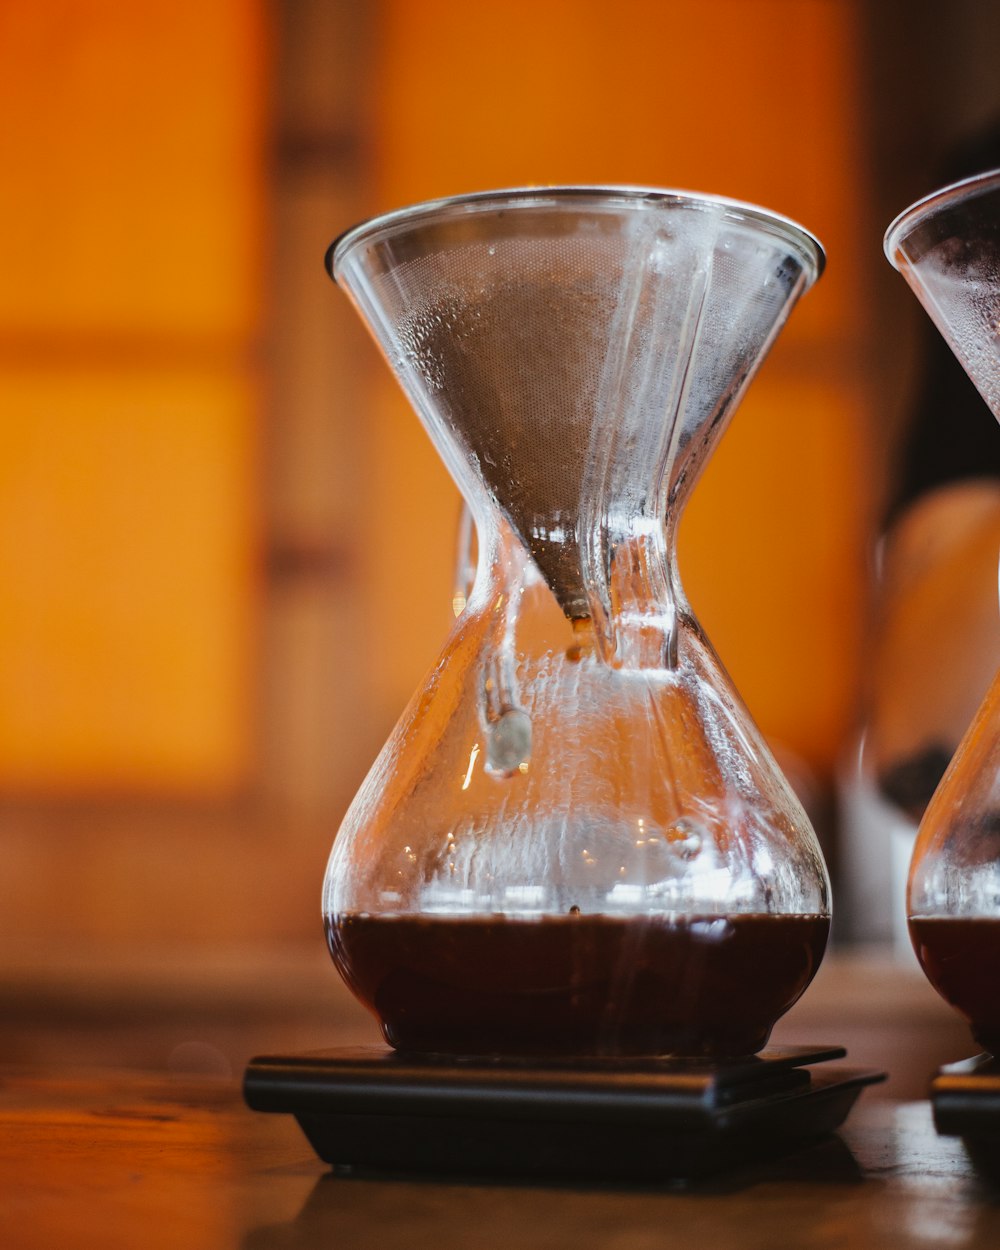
(578, 984)
(961, 958)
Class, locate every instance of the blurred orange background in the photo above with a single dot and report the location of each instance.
(225, 543)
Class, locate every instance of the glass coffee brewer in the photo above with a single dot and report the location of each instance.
(576, 848)
(947, 247)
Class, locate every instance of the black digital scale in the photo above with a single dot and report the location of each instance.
(371, 1109)
(965, 1098)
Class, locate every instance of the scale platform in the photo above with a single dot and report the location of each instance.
(370, 1109)
(965, 1098)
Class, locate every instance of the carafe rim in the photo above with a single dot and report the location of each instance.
(610, 196)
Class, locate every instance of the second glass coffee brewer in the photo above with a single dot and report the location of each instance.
(947, 247)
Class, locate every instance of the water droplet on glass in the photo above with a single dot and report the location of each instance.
(684, 838)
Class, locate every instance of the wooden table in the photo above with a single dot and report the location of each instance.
(125, 1160)
(122, 1125)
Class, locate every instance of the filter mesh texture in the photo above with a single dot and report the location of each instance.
(517, 363)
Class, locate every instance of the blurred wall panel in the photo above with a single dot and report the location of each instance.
(184, 472)
(318, 734)
(127, 589)
(132, 215)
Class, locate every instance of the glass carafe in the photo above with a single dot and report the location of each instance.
(576, 840)
(947, 246)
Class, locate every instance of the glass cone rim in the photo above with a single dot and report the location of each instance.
(777, 223)
(942, 197)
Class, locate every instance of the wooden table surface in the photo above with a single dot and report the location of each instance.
(122, 1125)
(128, 1160)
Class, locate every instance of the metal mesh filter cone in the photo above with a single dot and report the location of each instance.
(521, 363)
(566, 347)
